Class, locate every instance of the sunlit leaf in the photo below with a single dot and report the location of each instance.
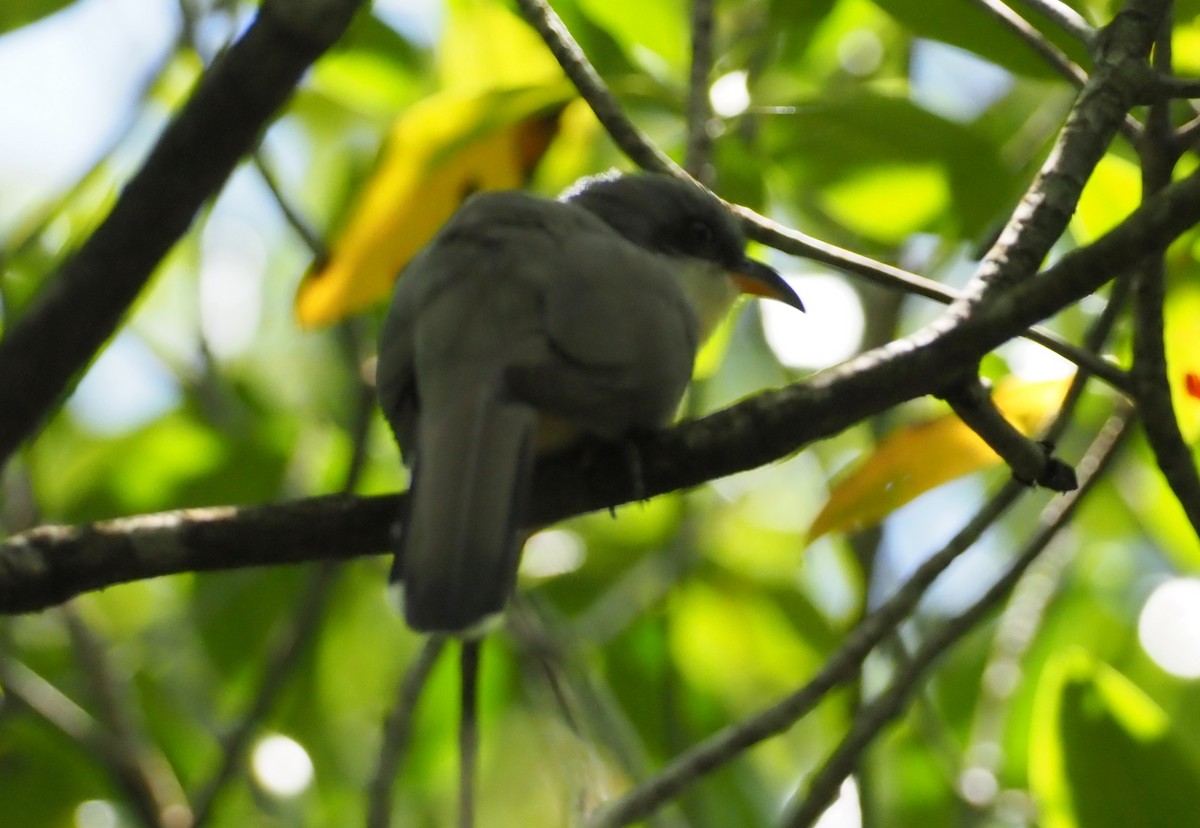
(439, 152)
(866, 201)
(834, 141)
(659, 28)
(1102, 753)
(1110, 195)
(487, 46)
(920, 457)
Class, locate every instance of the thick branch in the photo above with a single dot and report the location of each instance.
(83, 305)
(49, 564)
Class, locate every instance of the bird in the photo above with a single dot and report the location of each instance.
(524, 324)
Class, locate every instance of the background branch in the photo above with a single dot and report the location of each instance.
(876, 715)
(81, 307)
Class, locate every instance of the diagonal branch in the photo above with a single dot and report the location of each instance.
(84, 303)
(839, 669)
(1065, 17)
(1050, 53)
(632, 141)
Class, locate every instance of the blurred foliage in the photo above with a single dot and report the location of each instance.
(681, 616)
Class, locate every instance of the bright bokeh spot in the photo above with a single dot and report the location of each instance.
(1169, 627)
(281, 765)
(860, 52)
(552, 552)
(830, 333)
(96, 813)
(729, 94)
(147, 389)
(232, 270)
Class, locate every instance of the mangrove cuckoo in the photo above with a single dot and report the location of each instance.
(526, 317)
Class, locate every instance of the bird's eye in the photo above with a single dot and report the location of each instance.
(700, 233)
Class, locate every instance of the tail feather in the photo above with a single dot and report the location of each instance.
(459, 547)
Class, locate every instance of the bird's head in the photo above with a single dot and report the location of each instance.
(689, 225)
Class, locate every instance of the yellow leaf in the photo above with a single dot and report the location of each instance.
(920, 457)
(485, 44)
(439, 152)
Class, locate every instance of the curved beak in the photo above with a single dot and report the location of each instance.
(757, 279)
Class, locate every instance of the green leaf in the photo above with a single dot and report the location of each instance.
(847, 144)
(644, 30)
(1103, 753)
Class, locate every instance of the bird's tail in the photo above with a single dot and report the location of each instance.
(459, 546)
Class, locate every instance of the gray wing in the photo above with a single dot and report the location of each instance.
(520, 307)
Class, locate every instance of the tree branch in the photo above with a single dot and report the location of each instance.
(1050, 53)
(1116, 84)
(1032, 463)
(397, 731)
(643, 152)
(840, 668)
(83, 305)
(1152, 383)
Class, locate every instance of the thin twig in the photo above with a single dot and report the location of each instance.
(312, 240)
(632, 141)
(1055, 57)
(1047, 51)
(871, 719)
(151, 784)
(468, 731)
(1187, 134)
(1065, 17)
(397, 731)
(841, 668)
(284, 654)
(47, 701)
(1152, 382)
(589, 712)
(795, 243)
(698, 157)
(1032, 463)
(306, 621)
